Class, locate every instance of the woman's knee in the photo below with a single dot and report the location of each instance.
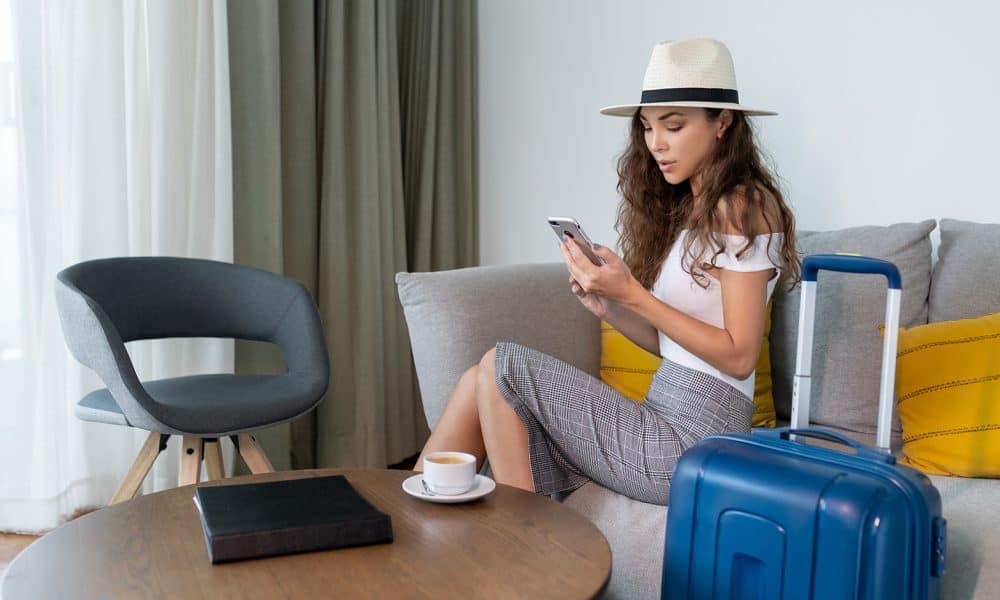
(469, 376)
(465, 389)
(486, 375)
(488, 360)
(487, 367)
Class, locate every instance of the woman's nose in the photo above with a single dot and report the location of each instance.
(658, 141)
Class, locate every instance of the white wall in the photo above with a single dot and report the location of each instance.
(888, 110)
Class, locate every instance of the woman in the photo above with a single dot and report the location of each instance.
(706, 236)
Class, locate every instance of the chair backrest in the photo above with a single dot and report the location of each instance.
(167, 297)
(107, 302)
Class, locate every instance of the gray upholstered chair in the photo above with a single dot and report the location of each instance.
(105, 303)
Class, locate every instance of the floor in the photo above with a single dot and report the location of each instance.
(11, 544)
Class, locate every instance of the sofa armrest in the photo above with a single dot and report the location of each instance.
(454, 317)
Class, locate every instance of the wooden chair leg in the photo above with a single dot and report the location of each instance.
(129, 485)
(190, 469)
(253, 455)
(213, 460)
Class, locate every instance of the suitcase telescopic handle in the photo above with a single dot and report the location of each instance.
(801, 381)
(785, 433)
(850, 263)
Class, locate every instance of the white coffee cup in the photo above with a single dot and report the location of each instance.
(449, 473)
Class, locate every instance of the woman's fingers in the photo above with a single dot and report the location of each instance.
(570, 257)
(588, 279)
(574, 286)
(605, 253)
(617, 273)
(579, 247)
(609, 257)
(579, 266)
(565, 252)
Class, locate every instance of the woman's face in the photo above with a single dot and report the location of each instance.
(681, 139)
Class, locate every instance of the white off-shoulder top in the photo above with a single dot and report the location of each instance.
(675, 287)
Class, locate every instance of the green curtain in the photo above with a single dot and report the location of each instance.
(354, 157)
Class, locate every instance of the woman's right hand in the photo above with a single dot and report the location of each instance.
(595, 303)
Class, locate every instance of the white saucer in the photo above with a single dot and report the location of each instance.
(480, 487)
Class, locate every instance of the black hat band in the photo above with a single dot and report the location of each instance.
(690, 95)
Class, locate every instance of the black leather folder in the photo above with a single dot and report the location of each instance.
(281, 517)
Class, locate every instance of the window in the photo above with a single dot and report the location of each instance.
(10, 343)
(11, 325)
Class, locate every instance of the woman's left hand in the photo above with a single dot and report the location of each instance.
(612, 280)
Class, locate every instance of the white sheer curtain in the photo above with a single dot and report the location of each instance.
(122, 121)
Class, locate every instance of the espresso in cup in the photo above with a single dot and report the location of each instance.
(447, 460)
(449, 473)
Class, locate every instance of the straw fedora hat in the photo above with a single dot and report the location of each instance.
(696, 72)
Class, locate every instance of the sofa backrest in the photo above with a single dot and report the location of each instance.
(454, 317)
(966, 279)
(847, 346)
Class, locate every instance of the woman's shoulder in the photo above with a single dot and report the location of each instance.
(750, 210)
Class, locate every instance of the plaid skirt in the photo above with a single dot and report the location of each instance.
(580, 429)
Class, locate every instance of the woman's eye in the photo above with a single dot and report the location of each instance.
(647, 129)
(673, 129)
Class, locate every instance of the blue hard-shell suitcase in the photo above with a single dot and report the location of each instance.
(764, 515)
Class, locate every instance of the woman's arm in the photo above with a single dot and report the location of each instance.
(634, 327)
(733, 349)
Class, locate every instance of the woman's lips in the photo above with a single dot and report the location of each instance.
(667, 165)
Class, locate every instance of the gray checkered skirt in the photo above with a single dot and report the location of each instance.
(580, 429)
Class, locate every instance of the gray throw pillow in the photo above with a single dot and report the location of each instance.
(454, 317)
(847, 345)
(966, 280)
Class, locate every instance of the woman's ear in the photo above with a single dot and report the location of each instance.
(725, 120)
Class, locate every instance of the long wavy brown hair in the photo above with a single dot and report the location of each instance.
(653, 211)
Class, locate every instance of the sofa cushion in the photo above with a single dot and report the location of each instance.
(948, 390)
(636, 532)
(966, 281)
(454, 317)
(847, 347)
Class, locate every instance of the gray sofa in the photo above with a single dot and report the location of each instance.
(454, 317)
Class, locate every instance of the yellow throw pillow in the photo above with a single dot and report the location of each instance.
(763, 399)
(948, 394)
(625, 366)
(629, 369)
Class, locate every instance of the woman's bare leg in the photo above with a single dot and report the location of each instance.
(506, 438)
(458, 428)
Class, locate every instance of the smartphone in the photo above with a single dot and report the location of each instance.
(567, 227)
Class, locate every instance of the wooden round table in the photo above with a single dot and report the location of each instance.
(509, 544)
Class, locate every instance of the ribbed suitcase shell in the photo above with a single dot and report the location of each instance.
(758, 516)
